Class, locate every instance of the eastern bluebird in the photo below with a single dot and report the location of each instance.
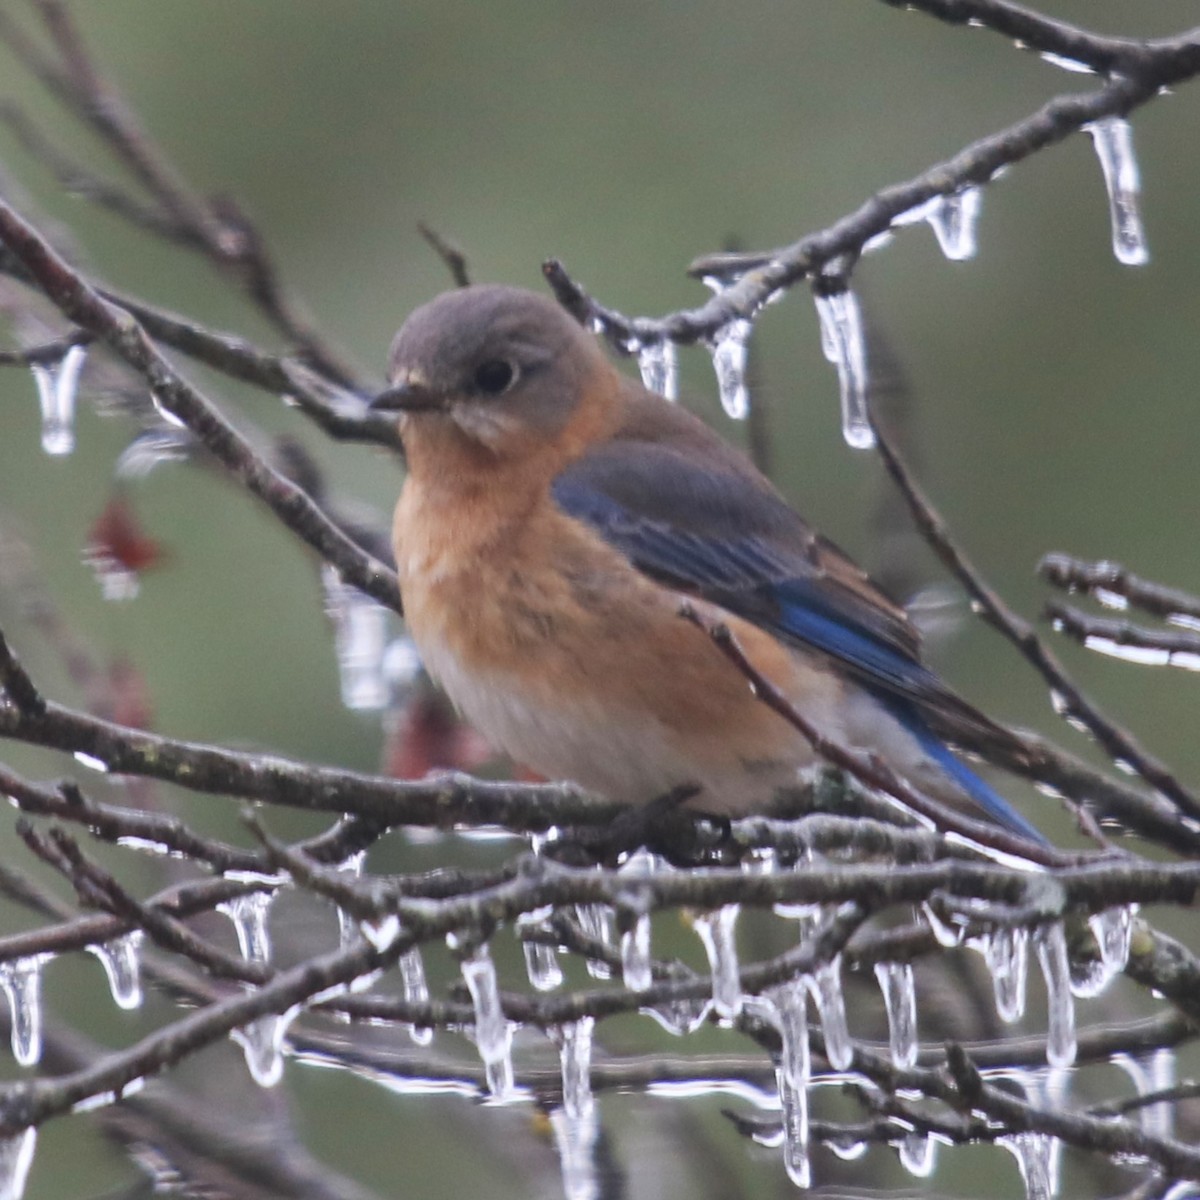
(555, 516)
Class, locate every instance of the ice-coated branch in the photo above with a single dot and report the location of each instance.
(761, 275)
(1115, 587)
(222, 233)
(118, 329)
(1127, 641)
(1070, 700)
(1049, 36)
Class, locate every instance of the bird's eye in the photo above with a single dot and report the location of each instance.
(494, 376)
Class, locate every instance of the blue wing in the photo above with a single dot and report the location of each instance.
(689, 511)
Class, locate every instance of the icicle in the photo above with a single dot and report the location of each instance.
(360, 637)
(918, 1154)
(635, 955)
(150, 449)
(249, 916)
(954, 219)
(415, 991)
(825, 984)
(1034, 1154)
(1114, 932)
(576, 1141)
(1113, 140)
(16, 1158)
(718, 932)
(493, 1034)
(575, 1053)
(792, 1076)
(900, 1000)
(845, 347)
(541, 958)
(262, 1044)
(121, 961)
(1154, 1073)
(261, 1040)
(596, 922)
(1060, 1034)
(21, 982)
(57, 384)
(659, 365)
(680, 1017)
(348, 928)
(729, 348)
(1006, 952)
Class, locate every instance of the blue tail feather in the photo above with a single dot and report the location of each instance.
(988, 799)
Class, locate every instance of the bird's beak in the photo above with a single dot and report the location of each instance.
(408, 395)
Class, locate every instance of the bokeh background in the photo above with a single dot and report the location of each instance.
(1053, 388)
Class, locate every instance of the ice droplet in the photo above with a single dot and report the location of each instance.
(659, 364)
(635, 955)
(729, 349)
(57, 384)
(718, 932)
(121, 960)
(360, 638)
(792, 1077)
(575, 1055)
(1006, 952)
(1113, 140)
(415, 990)
(1113, 931)
(825, 984)
(900, 1000)
(681, 1016)
(348, 928)
(249, 916)
(845, 347)
(262, 1041)
(596, 922)
(954, 220)
(21, 981)
(1060, 1033)
(1034, 1154)
(575, 1138)
(541, 958)
(16, 1158)
(493, 1034)
(918, 1154)
(1153, 1073)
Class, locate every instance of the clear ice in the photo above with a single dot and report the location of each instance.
(845, 347)
(825, 984)
(900, 1001)
(16, 1158)
(575, 1053)
(575, 1138)
(635, 955)
(1060, 1034)
(1113, 140)
(21, 981)
(541, 959)
(659, 364)
(415, 991)
(57, 384)
(493, 1034)
(360, 627)
(596, 922)
(954, 220)
(718, 932)
(1006, 952)
(918, 1154)
(262, 1044)
(121, 959)
(792, 1076)
(729, 351)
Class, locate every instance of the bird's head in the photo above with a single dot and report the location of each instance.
(501, 368)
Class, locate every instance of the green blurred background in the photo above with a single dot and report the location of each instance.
(1053, 386)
